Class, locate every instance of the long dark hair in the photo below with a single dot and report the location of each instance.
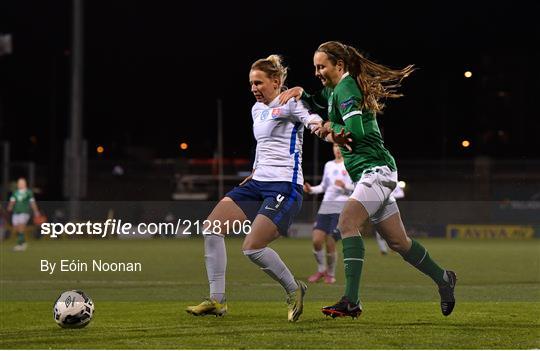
(376, 81)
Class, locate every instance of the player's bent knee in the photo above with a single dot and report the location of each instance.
(249, 246)
(398, 246)
(253, 254)
(318, 241)
(348, 228)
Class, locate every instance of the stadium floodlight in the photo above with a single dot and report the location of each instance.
(6, 44)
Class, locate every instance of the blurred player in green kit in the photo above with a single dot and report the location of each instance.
(21, 202)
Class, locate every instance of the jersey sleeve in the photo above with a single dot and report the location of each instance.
(318, 101)
(301, 113)
(317, 189)
(348, 103)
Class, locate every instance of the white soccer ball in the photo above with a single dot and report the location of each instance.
(73, 309)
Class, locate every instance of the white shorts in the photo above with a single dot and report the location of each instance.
(20, 218)
(374, 190)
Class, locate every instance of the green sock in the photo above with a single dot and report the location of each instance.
(418, 256)
(353, 258)
(20, 238)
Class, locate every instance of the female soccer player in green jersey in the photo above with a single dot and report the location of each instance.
(353, 89)
(20, 202)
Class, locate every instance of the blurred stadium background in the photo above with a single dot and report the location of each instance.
(125, 99)
(140, 110)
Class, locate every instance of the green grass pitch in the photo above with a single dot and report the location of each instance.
(498, 298)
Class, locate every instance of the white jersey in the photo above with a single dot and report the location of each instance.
(334, 196)
(279, 131)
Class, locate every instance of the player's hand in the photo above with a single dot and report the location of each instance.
(307, 187)
(315, 126)
(323, 130)
(342, 139)
(295, 92)
(247, 179)
(339, 183)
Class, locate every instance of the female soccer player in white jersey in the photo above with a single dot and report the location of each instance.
(270, 197)
(353, 94)
(337, 186)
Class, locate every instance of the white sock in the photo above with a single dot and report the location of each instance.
(331, 259)
(271, 264)
(381, 242)
(215, 258)
(319, 257)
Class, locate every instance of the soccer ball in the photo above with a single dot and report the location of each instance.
(73, 309)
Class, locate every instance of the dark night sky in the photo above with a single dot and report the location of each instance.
(153, 70)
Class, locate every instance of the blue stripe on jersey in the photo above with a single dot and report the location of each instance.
(295, 169)
(293, 137)
(292, 194)
(296, 154)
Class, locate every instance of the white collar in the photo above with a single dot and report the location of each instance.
(346, 74)
(273, 103)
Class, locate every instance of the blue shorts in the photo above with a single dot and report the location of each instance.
(279, 201)
(328, 224)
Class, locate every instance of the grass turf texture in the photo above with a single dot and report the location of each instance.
(498, 296)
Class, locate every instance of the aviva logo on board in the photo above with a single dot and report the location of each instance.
(489, 231)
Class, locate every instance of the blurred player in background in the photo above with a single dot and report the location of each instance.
(336, 186)
(2, 223)
(270, 197)
(21, 202)
(398, 193)
(354, 88)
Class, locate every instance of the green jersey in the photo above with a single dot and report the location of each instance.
(343, 104)
(22, 200)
